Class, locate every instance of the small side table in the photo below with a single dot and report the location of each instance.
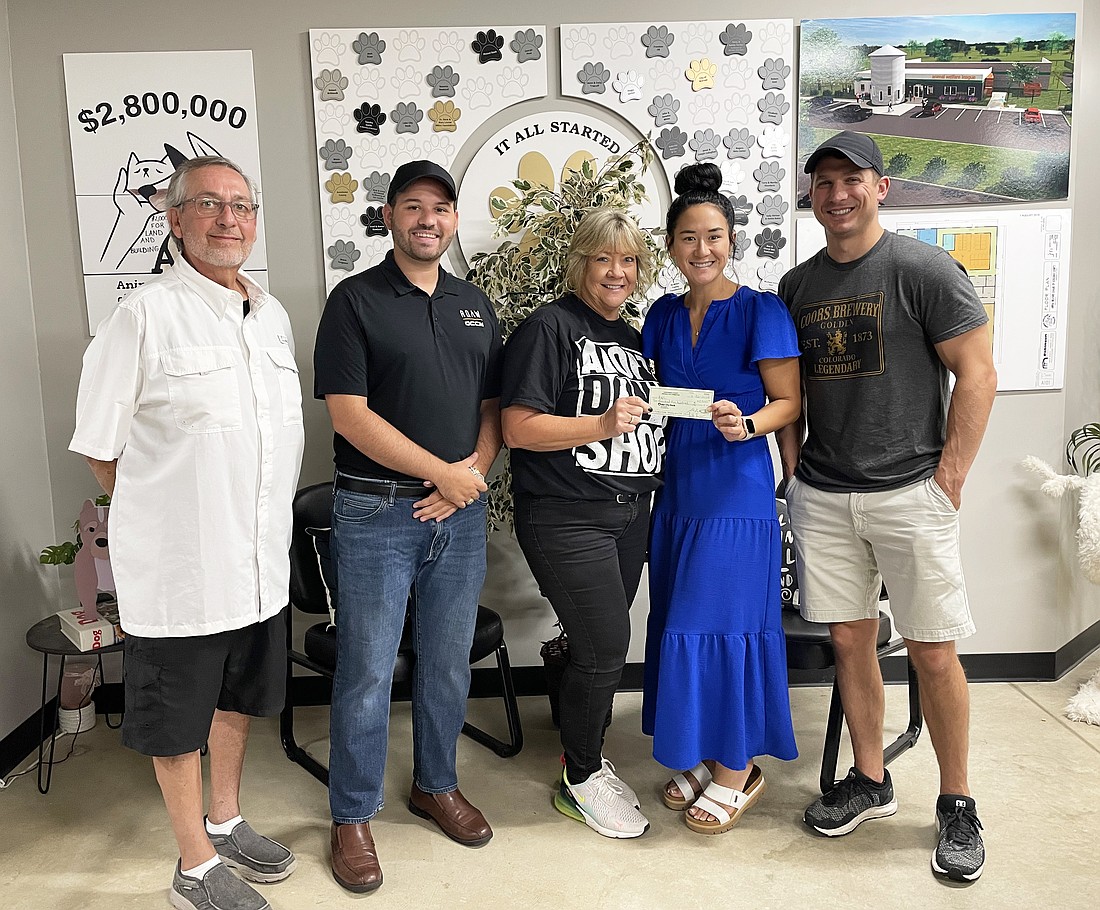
(46, 637)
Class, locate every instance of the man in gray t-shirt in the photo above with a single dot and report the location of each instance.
(874, 488)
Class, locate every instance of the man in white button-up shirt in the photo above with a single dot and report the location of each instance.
(190, 415)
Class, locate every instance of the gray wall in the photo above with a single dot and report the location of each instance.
(1026, 591)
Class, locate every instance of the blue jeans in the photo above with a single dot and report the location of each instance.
(381, 554)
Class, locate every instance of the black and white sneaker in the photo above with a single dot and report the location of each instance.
(960, 853)
(851, 802)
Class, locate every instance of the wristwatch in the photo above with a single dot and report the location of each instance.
(750, 428)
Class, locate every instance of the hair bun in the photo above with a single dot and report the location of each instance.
(704, 178)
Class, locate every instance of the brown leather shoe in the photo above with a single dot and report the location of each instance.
(454, 814)
(354, 859)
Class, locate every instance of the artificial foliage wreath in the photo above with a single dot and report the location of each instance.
(522, 275)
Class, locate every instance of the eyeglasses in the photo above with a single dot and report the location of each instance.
(211, 206)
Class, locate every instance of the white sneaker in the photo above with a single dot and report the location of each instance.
(600, 804)
(624, 788)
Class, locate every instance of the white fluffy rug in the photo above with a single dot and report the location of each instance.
(1085, 705)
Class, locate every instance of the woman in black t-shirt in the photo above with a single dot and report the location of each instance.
(586, 455)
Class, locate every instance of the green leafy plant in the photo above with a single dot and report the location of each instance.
(1083, 449)
(522, 275)
(64, 553)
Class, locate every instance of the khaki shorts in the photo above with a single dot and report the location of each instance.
(848, 544)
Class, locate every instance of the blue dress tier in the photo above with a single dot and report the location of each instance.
(716, 663)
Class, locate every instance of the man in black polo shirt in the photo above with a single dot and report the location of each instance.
(408, 362)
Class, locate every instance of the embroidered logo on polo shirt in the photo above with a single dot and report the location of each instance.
(472, 318)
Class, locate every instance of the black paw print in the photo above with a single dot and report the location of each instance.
(443, 80)
(331, 85)
(373, 221)
(772, 108)
(526, 45)
(772, 209)
(742, 208)
(738, 143)
(769, 176)
(657, 41)
(705, 144)
(343, 255)
(740, 241)
(671, 142)
(735, 39)
(593, 78)
(769, 243)
(336, 154)
(487, 46)
(406, 117)
(376, 186)
(774, 73)
(369, 118)
(369, 48)
(663, 110)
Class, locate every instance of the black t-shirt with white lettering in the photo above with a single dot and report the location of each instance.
(423, 363)
(566, 359)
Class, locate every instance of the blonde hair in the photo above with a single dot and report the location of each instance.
(612, 231)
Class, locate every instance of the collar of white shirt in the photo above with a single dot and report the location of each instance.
(216, 296)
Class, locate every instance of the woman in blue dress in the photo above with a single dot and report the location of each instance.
(716, 669)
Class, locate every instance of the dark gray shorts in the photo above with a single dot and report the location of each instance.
(173, 685)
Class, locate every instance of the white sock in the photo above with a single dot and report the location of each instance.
(224, 827)
(200, 870)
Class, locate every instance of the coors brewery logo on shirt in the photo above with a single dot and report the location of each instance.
(606, 371)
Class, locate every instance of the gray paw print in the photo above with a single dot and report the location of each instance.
(369, 48)
(769, 243)
(739, 143)
(742, 208)
(740, 241)
(331, 85)
(671, 142)
(526, 45)
(369, 118)
(774, 73)
(487, 45)
(657, 41)
(593, 78)
(736, 39)
(343, 255)
(769, 176)
(406, 117)
(772, 108)
(336, 154)
(443, 80)
(705, 144)
(376, 186)
(663, 110)
(373, 221)
(772, 209)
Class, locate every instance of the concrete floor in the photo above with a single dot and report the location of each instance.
(100, 839)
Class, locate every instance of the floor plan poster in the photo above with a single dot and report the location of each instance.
(1018, 262)
(385, 96)
(721, 91)
(133, 118)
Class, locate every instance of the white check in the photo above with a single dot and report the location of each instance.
(672, 402)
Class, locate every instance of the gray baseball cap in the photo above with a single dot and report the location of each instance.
(858, 148)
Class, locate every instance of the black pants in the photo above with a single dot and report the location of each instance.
(587, 557)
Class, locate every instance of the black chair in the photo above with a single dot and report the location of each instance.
(809, 647)
(310, 594)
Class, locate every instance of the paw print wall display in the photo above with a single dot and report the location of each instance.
(369, 47)
(375, 186)
(369, 118)
(772, 209)
(671, 142)
(705, 145)
(335, 153)
(742, 208)
(629, 86)
(619, 42)
(448, 47)
(487, 45)
(769, 177)
(738, 143)
(663, 110)
(769, 242)
(343, 255)
(735, 39)
(657, 41)
(406, 117)
(373, 222)
(328, 48)
(526, 45)
(773, 73)
(330, 85)
(593, 78)
(701, 74)
(773, 108)
(443, 80)
(342, 187)
(445, 116)
(410, 46)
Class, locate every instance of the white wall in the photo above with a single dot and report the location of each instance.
(1026, 595)
(28, 591)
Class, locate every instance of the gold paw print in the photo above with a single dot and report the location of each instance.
(342, 187)
(536, 170)
(701, 73)
(444, 115)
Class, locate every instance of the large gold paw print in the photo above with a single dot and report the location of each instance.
(445, 116)
(342, 187)
(701, 72)
(537, 171)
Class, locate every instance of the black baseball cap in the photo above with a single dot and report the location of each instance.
(415, 170)
(858, 148)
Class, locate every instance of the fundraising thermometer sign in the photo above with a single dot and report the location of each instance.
(133, 119)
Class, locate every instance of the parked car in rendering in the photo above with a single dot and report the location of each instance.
(1033, 115)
